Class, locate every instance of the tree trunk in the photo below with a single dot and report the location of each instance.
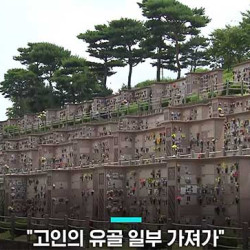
(158, 73)
(195, 60)
(62, 102)
(105, 78)
(191, 70)
(73, 95)
(177, 52)
(130, 75)
(105, 74)
(195, 68)
(50, 85)
(50, 81)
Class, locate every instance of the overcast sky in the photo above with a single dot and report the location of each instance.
(60, 21)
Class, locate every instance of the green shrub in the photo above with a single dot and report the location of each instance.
(119, 112)
(5, 235)
(144, 83)
(133, 108)
(5, 224)
(211, 94)
(165, 102)
(231, 242)
(11, 129)
(63, 122)
(78, 121)
(201, 70)
(56, 125)
(227, 75)
(70, 122)
(143, 106)
(114, 113)
(86, 119)
(234, 89)
(193, 98)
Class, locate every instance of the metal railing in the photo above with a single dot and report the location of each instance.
(140, 162)
(143, 106)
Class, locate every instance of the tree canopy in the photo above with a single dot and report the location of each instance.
(230, 45)
(52, 77)
(127, 35)
(43, 59)
(26, 92)
(172, 23)
(100, 47)
(196, 53)
(116, 45)
(75, 82)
